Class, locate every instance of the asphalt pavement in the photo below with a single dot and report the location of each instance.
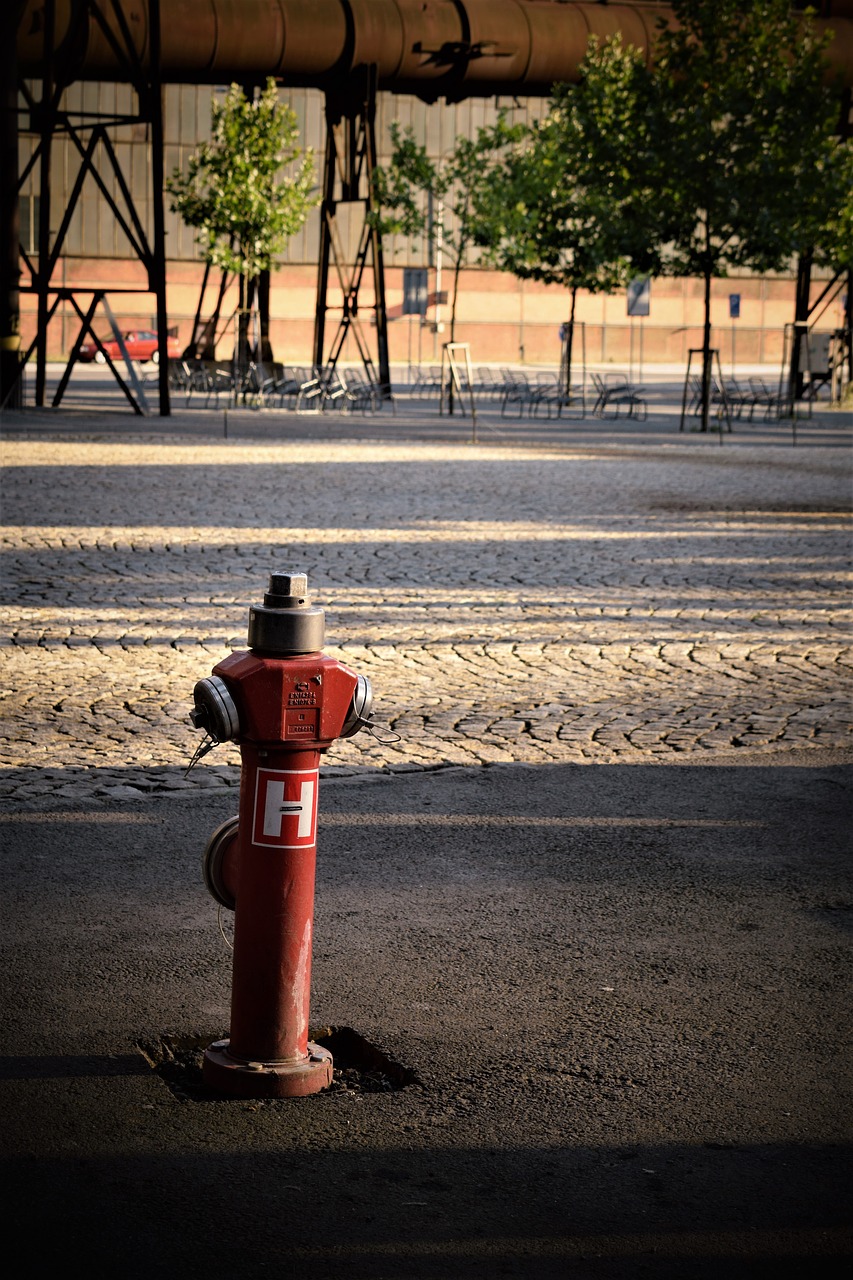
(582, 933)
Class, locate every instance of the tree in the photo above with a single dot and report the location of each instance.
(234, 195)
(402, 186)
(560, 212)
(736, 151)
(833, 237)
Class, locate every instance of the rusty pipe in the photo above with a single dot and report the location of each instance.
(432, 48)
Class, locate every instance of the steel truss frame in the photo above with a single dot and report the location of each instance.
(348, 179)
(206, 332)
(90, 134)
(806, 314)
(804, 309)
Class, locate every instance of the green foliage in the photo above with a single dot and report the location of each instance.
(741, 161)
(722, 153)
(233, 194)
(456, 181)
(828, 222)
(833, 236)
(563, 210)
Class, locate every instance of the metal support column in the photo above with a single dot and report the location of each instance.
(157, 258)
(46, 116)
(10, 271)
(348, 179)
(89, 134)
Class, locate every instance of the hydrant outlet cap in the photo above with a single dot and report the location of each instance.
(287, 622)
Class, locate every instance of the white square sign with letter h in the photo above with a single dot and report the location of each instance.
(285, 814)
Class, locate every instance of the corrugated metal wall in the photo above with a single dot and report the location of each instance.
(94, 233)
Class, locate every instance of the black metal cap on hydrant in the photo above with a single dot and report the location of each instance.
(287, 622)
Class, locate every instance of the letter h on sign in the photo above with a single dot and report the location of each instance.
(285, 815)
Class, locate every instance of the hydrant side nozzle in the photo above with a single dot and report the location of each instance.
(219, 863)
(360, 714)
(214, 709)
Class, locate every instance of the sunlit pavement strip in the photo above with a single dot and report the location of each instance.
(509, 604)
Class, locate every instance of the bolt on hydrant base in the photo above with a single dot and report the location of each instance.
(284, 703)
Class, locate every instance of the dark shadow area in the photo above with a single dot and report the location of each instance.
(245, 495)
(432, 1213)
(523, 577)
(70, 1066)
(94, 415)
(624, 992)
(753, 818)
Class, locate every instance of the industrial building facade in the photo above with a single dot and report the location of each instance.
(502, 319)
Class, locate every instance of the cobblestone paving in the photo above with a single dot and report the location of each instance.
(509, 604)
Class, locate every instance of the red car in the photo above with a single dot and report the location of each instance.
(141, 345)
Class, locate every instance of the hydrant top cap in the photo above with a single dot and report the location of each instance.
(287, 591)
(287, 623)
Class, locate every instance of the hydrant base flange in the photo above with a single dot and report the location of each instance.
(242, 1079)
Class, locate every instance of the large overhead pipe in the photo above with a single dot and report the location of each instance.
(431, 48)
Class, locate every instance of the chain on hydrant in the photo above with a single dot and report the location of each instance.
(284, 702)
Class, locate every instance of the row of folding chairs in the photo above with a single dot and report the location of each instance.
(486, 384)
(273, 386)
(613, 393)
(742, 399)
(338, 390)
(515, 391)
(545, 393)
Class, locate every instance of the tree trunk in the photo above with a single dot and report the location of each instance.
(252, 342)
(242, 325)
(249, 333)
(570, 337)
(844, 349)
(456, 271)
(266, 353)
(706, 353)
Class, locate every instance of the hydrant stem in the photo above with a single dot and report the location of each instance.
(274, 923)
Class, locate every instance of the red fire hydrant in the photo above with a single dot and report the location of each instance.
(285, 703)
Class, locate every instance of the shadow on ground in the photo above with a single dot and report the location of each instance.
(622, 994)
